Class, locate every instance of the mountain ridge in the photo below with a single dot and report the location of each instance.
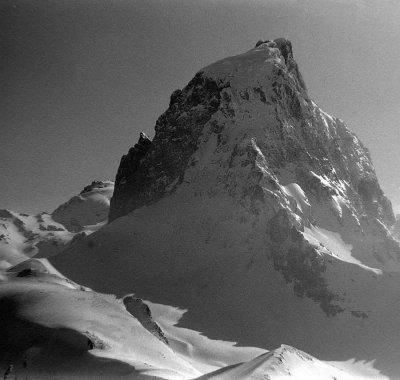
(202, 97)
(23, 236)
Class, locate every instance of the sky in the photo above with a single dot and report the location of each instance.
(80, 79)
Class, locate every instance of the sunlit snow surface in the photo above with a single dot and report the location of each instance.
(334, 243)
(295, 191)
(54, 329)
(48, 322)
(221, 360)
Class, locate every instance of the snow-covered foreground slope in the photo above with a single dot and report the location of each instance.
(224, 360)
(52, 328)
(258, 213)
(285, 363)
(23, 236)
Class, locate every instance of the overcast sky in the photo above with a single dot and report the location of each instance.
(81, 79)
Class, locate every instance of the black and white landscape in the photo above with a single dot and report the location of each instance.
(249, 239)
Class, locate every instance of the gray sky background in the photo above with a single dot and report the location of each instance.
(80, 79)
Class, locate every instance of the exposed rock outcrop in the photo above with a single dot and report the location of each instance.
(142, 313)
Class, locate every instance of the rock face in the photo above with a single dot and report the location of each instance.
(253, 118)
(152, 169)
(297, 134)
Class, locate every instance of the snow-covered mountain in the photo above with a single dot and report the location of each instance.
(259, 214)
(283, 363)
(23, 236)
(90, 207)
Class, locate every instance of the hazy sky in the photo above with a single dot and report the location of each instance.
(80, 79)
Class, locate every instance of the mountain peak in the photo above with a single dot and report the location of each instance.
(262, 77)
(257, 200)
(254, 67)
(90, 207)
(97, 185)
(245, 127)
(283, 44)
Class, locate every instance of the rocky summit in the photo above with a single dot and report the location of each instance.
(251, 118)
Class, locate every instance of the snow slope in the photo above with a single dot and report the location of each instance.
(283, 363)
(225, 360)
(230, 288)
(53, 329)
(22, 235)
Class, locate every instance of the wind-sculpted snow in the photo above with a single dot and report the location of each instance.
(52, 328)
